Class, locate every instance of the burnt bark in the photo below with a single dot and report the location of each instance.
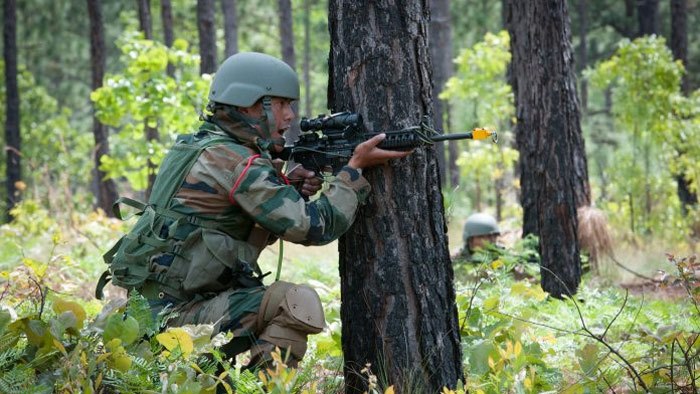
(398, 300)
(441, 54)
(13, 169)
(228, 8)
(106, 188)
(553, 171)
(206, 26)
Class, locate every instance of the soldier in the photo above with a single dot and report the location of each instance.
(219, 200)
(480, 230)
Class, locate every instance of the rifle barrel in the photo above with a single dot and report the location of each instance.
(476, 134)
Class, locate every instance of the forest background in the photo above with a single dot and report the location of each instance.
(638, 90)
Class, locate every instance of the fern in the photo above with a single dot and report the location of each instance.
(138, 307)
(19, 379)
(246, 383)
(8, 340)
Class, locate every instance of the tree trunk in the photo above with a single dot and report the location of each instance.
(288, 55)
(228, 8)
(398, 300)
(106, 189)
(145, 24)
(307, 58)
(582, 60)
(679, 47)
(13, 169)
(166, 15)
(648, 17)
(207, 36)
(151, 132)
(553, 172)
(441, 54)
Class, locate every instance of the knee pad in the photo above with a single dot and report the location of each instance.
(298, 306)
(288, 314)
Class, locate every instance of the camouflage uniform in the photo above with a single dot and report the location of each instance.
(235, 184)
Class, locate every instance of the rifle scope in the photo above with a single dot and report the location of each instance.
(337, 121)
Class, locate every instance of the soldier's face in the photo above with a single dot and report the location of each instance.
(283, 113)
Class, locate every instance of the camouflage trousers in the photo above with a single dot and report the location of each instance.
(259, 320)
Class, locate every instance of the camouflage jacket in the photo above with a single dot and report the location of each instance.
(235, 185)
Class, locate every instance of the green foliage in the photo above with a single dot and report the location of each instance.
(479, 85)
(655, 126)
(144, 95)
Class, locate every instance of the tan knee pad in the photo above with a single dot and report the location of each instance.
(288, 313)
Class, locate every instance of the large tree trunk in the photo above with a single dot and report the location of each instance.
(648, 17)
(146, 27)
(398, 301)
(13, 169)
(106, 189)
(286, 28)
(166, 15)
(206, 26)
(553, 173)
(441, 54)
(228, 8)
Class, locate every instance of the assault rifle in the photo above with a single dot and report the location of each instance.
(328, 141)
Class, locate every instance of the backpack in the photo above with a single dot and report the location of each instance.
(129, 259)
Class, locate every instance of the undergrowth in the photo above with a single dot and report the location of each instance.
(516, 339)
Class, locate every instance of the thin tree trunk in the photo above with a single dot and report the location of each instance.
(145, 24)
(286, 29)
(441, 53)
(228, 8)
(166, 15)
(582, 60)
(553, 171)
(398, 301)
(679, 47)
(13, 169)
(648, 17)
(106, 189)
(206, 26)
(146, 27)
(307, 58)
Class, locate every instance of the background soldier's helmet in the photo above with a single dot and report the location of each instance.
(246, 77)
(480, 224)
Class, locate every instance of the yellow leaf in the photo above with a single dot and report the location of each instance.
(174, 338)
(58, 345)
(491, 302)
(60, 306)
(528, 383)
(36, 267)
(492, 364)
(518, 348)
(496, 264)
(389, 390)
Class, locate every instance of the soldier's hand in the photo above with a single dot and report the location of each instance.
(367, 154)
(306, 181)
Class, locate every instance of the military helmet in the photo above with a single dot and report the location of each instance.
(246, 77)
(480, 224)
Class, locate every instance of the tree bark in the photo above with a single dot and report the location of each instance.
(553, 171)
(106, 189)
(648, 17)
(13, 169)
(206, 26)
(582, 60)
(398, 300)
(166, 15)
(441, 54)
(228, 8)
